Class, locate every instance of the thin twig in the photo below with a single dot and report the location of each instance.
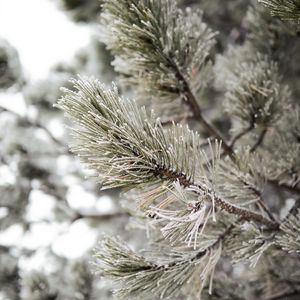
(291, 189)
(241, 134)
(228, 149)
(246, 214)
(192, 102)
(259, 140)
(294, 210)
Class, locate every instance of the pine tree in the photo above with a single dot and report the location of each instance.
(211, 191)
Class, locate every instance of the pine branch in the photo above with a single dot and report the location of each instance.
(292, 189)
(176, 65)
(241, 134)
(247, 215)
(189, 97)
(256, 95)
(159, 45)
(288, 237)
(127, 148)
(141, 49)
(288, 10)
(259, 140)
(136, 275)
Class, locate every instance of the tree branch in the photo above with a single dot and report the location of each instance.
(241, 134)
(192, 102)
(222, 204)
(197, 114)
(291, 189)
(259, 140)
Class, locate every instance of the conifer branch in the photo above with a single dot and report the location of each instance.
(190, 98)
(124, 266)
(148, 45)
(259, 140)
(292, 189)
(288, 10)
(135, 274)
(245, 214)
(241, 134)
(288, 237)
(133, 149)
(176, 65)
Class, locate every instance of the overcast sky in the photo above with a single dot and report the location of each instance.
(42, 34)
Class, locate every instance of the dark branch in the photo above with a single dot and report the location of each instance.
(259, 140)
(222, 204)
(241, 134)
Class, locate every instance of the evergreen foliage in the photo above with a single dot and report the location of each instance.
(201, 199)
(201, 133)
(286, 10)
(160, 49)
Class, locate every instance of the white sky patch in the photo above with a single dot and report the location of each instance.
(41, 235)
(56, 128)
(41, 33)
(77, 241)
(288, 205)
(3, 212)
(80, 199)
(105, 204)
(7, 176)
(12, 235)
(14, 102)
(87, 203)
(41, 206)
(65, 164)
(38, 261)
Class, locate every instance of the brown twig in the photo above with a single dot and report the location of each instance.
(191, 100)
(291, 189)
(259, 140)
(241, 134)
(246, 214)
